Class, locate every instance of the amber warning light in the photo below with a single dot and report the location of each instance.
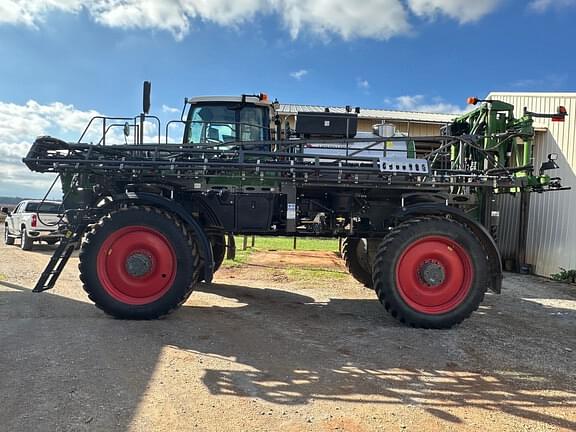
(561, 115)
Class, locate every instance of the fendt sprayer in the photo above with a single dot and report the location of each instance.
(415, 213)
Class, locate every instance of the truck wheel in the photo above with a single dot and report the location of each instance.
(355, 255)
(26, 242)
(8, 239)
(139, 263)
(431, 273)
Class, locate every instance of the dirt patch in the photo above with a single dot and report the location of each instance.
(298, 259)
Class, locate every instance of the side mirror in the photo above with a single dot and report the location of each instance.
(4, 210)
(146, 97)
(553, 156)
(126, 129)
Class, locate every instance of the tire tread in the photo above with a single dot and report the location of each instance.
(399, 311)
(96, 228)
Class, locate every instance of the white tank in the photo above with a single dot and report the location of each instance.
(384, 130)
(376, 150)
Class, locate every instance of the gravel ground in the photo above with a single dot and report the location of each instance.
(260, 351)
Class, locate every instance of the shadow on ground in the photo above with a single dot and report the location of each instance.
(66, 365)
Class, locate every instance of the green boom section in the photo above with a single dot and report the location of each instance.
(507, 139)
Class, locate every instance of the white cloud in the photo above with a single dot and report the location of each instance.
(298, 75)
(169, 109)
(21, 124)
(544, 5)
(376, 19)
(463, 11)
(363, 84)
(547, 82)
(31, 12)
(418, 103)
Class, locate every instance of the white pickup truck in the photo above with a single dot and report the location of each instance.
(33, 221)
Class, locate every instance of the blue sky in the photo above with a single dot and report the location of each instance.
(400, 54)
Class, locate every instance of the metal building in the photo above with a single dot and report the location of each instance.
(551, 233)
(412, 123)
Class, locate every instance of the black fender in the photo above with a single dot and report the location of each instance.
(488, 242)
(177, 209)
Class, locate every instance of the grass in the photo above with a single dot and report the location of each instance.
(240, 259)
(316, 275)
(292, 272)
(287, 243)
(567, 276)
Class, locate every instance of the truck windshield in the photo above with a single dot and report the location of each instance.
(46, 207)
(221, 124)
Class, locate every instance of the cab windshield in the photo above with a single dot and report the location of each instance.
(221, 124)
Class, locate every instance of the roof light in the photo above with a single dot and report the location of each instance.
(562, 113)
(472, 100)
(263, 97)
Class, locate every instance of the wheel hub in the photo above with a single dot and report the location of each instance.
(138, 264)
(432, 273)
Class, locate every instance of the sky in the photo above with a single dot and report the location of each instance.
(64, 61)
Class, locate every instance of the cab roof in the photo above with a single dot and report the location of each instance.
(237, 99)
(37, 201)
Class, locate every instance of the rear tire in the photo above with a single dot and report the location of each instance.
(8, 239)
(431, 273)
(26, 243)
(218, 243)
(139, 263)
(355, 255)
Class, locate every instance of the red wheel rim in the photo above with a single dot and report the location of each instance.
(434, 275)
(136, 265)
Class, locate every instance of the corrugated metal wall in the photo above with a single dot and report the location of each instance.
(552, 216)
(508, 231)
(416, 128)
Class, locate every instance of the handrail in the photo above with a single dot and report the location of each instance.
(106, 128)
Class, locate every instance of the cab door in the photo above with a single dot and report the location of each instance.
(14, 220)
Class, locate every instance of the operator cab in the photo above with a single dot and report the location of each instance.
(218, 120)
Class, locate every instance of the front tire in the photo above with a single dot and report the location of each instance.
(431, 273)
(8, 239)
(139, 263)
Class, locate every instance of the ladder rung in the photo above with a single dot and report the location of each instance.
(57, 262)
